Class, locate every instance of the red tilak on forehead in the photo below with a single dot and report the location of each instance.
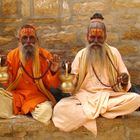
(96, 32)
(27, 31)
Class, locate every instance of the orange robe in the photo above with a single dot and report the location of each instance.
(26, 95)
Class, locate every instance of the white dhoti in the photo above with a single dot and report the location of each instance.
(83, 109)
(43, 112)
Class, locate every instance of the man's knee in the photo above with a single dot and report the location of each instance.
(137, 97)
(43, 112)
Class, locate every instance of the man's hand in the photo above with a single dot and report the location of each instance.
(55, 63)
(123, 78)
(75, 79)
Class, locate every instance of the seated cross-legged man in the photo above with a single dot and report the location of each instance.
(33, 73)
(101, 83)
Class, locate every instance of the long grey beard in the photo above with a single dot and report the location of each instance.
(28, 52)
(96, 56)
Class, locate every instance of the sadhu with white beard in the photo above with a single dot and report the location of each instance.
(32, 72)
(101, 85)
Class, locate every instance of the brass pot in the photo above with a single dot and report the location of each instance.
(67, 83)
(3, 74)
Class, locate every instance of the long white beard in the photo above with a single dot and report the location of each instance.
(97, 56)
(28, 52)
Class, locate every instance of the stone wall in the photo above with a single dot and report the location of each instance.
(62, 25)
(26, 128)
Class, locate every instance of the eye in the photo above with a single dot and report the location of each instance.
(92, 36)
(24, 37)
(32, 39)
(100, 37)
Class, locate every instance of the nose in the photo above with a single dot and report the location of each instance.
(96, 40)
(28, 41)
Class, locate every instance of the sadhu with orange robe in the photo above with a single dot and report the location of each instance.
(33, 71)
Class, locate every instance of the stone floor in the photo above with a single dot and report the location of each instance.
(26, 128)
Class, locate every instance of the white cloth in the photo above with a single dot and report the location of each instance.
(91, 83)
(94, 99)
(43, 112)
(83, 109)
(6, 104)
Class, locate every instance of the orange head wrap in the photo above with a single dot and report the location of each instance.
(27, 30)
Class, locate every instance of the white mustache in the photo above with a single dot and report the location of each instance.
(93, 44)
(26, 45)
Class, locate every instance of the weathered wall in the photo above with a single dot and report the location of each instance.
(62, 25)
(25, 128)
